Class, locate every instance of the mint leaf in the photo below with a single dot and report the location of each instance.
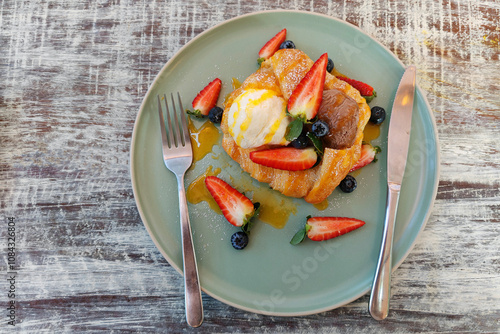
(298, 237)
(247, 227)
(294, 129)
(317, 143)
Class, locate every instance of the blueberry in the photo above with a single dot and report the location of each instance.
(301, 141)
(215, 114)
(330, 65)
(287, 45)
(239, 240)
(378, 115)
(320, 128)
(348, 184)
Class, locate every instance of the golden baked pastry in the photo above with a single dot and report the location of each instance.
(281, 74)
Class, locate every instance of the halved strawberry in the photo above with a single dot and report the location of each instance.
(272, 46)
(286, 158)
(324, 228)
(307, 96)
(237, 208)
(368, 155)
(364, 89)
(206, 98)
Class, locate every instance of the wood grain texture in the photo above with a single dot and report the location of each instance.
(73, 75)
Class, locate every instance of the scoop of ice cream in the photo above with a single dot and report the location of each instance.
(341, 113)
(258, 117)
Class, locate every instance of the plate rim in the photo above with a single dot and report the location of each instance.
(134, 181)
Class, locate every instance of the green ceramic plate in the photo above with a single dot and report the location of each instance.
(271, 276)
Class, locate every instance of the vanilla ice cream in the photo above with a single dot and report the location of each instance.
(258, 117)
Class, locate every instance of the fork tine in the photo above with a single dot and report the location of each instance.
(171, 135)
(164, 138)
(187, 137)
(179, 140)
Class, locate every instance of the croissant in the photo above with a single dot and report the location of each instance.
(281, 73)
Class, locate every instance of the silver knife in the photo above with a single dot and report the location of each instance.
(397, 154)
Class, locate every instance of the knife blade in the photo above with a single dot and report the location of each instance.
(397, 154)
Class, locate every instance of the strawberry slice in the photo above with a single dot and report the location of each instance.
(364, 89)
(368, 155)
(206, 98)
(272, 46)
(237, 208)
(286, 158)
(324, 228)
(307, 96)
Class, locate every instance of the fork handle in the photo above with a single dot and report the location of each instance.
(192, 293)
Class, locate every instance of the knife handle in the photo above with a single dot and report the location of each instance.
(380, 294)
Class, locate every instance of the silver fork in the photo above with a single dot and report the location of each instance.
(178, 156)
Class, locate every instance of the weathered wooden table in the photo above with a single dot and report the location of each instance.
(73, 74)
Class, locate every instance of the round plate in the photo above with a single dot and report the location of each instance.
(270, 276)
